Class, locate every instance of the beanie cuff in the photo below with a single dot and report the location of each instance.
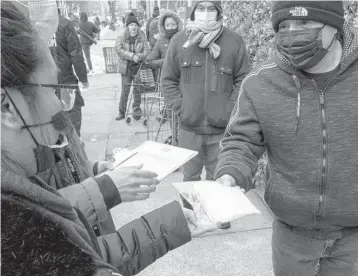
(313, 14)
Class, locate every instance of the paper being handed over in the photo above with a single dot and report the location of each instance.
(160, 158)
(213, 202)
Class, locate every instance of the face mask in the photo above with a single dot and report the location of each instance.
(57, 164)
(303, 48)
(205, 18)
(169, 33)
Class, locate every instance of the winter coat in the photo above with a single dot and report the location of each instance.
(67, 53)
(126, 51)
(89, 28)
(310, 136)
(156, 57)
(128, 251)
(200, 89)
(24, 233)
(93, 196)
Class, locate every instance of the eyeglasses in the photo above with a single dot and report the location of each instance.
(66, 93)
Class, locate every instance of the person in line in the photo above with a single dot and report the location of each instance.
(87, 31)
(147, 29)
(169, 25)
(66, 50)
(301, 107)
(132, 48)
(33, 128)
(97, 23)
(202, 72)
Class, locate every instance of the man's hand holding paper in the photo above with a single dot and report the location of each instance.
(213, 202)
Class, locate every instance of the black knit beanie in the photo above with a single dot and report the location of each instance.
(131, 18)
(217, 5)
(327, 12)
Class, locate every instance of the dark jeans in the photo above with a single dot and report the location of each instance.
(87, 52)
(126, 86)
(295, 254)
(76, 113)
(208, 148)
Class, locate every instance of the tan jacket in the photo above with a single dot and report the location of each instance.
(126, 52)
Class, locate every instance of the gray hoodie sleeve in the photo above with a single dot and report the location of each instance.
(243, 143)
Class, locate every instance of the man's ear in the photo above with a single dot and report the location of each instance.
(9, 117)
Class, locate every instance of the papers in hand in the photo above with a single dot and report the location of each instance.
(213, 202)
(160, 158)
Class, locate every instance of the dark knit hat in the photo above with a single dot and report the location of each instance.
(217, 4)
(327, 12)
(131, 18)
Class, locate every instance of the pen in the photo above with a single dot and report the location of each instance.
(127, 158)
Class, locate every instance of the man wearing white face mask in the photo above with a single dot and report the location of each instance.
(201, 77)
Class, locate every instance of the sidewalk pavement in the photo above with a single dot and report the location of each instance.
(244, 249)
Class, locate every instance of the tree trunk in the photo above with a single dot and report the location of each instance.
(112, 12)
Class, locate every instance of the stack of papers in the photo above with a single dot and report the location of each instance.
(156, 157)
(213, 202)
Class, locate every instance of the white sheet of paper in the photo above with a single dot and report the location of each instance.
(160, 158)
(221, 203)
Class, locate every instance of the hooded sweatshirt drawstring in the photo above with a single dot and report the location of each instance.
(298, 104)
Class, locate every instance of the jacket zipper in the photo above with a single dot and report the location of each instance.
(324, 153)
(213, 84)
(206, 88)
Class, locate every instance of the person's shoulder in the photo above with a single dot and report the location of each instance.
(232, 35)
(264, 72)
(141, 35)
(180, 36)
(64, 22)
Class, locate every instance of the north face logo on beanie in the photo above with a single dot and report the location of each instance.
(299, 11)
(330, 13)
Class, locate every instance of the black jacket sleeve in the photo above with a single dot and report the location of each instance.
(75, 50)
(141, 242)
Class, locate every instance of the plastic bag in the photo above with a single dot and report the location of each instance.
(214, 202)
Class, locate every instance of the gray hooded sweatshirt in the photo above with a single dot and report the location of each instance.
(311, 139)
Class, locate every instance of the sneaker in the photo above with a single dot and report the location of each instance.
(137, 113)
(169, 140)
(121, 116)
(225, 225)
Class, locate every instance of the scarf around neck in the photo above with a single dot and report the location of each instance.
(205, 36)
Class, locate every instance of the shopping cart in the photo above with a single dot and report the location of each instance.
(162, 123)
(144, 83)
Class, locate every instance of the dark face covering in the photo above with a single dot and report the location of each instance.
(56, 164)
(303, 48)
(170, 33)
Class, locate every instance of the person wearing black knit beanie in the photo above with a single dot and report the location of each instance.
(301, 107)
(132, 48)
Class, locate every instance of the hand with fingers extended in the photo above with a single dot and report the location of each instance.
(133, 183)
(195, 227)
